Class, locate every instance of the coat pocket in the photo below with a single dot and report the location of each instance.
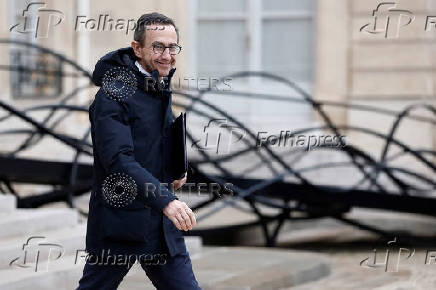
(126, 225)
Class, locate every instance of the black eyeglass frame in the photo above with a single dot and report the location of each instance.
(154, 44)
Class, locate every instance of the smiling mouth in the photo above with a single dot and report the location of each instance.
(163, 64)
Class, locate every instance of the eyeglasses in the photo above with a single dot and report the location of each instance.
(160, 48)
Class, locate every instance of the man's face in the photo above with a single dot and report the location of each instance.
(157, 35)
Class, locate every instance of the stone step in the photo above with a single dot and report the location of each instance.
(328, 229)
(69, 241)
(8, 203)
(259, 268)
(398, 272)
(348, 274)
(26, 222)
(348, 280)
(53, 272)
(215, 268)
(245, 268)
(312, 230)
(63, 273)
(194, 244)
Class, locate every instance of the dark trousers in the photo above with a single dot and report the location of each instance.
(172, 274)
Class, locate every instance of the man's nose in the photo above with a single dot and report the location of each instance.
(166, 53)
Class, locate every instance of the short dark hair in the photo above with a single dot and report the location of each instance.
(151, 19)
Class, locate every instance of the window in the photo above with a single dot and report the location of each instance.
(33, 74)
(276, 36)
(270, 35)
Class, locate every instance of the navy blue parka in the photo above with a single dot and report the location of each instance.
(130, 119)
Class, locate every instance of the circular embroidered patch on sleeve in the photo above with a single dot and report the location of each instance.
(119, 83)
(119, 189)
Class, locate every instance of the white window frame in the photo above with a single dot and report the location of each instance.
(253, 18)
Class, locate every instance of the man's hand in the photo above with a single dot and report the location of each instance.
(180, 214)
(179, 183)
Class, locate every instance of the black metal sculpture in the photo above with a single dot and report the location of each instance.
(302, 195)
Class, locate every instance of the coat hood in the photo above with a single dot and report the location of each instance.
(121, 62)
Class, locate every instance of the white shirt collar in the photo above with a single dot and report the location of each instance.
(141, 69)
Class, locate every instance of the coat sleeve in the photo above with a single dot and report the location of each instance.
(114, 145)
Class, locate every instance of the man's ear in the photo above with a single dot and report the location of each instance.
(136, 48)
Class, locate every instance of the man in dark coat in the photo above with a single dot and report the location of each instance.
(133, 216)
